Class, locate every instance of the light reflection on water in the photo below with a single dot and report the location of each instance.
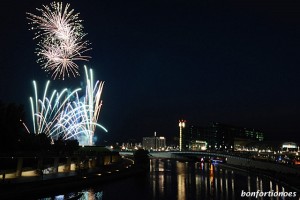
(86, 195)
(169, 179)
(193, 180)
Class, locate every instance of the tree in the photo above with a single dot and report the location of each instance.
(141, 157)
(11, 128)
(65, 146)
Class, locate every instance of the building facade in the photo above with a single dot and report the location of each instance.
(217, 136)
(154, 143)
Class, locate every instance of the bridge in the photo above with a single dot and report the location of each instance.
(230, 159)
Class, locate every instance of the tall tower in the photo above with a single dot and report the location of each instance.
(155, 141)
(181, 126)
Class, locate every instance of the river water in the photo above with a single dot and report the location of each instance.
(170, 179)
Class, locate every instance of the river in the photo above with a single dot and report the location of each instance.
(171, 179)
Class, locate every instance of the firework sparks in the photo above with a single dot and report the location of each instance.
(46, 111)
(61, 39)
(66, 114)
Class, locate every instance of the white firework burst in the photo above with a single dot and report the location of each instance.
(66, 114)
(61, 39)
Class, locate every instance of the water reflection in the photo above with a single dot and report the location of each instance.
(271, 188)
(226, 184)
(193, 180)
(89, 194)
(169, 179)
(277, 189)
(232, 185)
(181, 180)
(204, 180)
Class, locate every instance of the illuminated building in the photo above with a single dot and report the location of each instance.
(198, 145)
(289, 146)
(154, 143)
(219, 136)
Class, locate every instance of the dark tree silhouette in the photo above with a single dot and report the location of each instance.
(65, 146)
(14, 137)
(141, 157)
(11, 128)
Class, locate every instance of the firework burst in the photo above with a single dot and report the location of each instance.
(61, 39)
(46, 112)
(67, 114)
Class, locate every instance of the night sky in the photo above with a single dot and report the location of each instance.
(234, 62)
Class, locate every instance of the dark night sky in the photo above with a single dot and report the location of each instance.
(235, 62)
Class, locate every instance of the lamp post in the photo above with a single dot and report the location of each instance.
(181, 126)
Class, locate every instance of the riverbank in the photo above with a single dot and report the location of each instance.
(44, 186)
